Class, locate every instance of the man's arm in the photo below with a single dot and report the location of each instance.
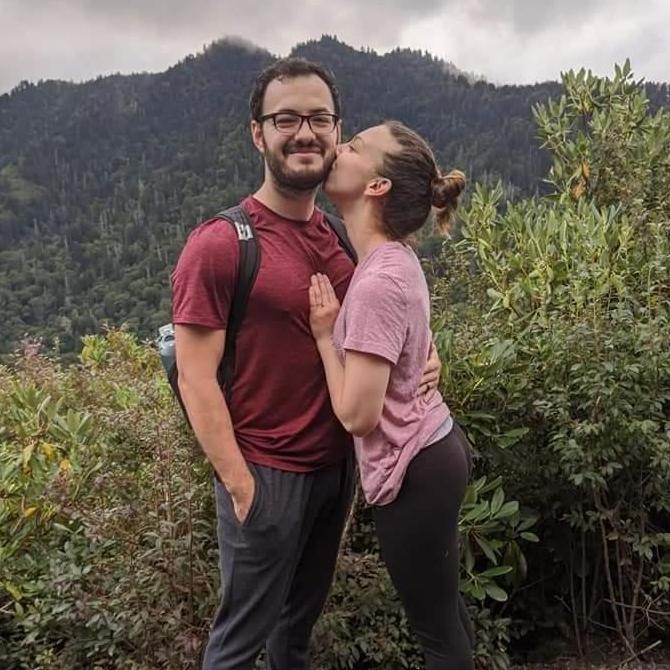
(199, 351)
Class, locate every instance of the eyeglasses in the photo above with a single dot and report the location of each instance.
(288, 123)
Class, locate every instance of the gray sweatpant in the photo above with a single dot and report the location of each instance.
(277, 566)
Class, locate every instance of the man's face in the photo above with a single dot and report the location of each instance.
(298, 161)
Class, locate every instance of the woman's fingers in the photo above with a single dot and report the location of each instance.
(315, 290)
(331, 292)
(321, 292)
(326, 288)
(323, 288)
(312, 296)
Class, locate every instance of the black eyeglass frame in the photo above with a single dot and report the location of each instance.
(303, 117)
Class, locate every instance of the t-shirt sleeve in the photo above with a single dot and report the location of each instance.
(376, 317)
(203, 281)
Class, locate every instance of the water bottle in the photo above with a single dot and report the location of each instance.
(165, 344)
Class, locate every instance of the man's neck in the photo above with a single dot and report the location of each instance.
(296, 205)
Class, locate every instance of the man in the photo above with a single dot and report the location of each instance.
(284, 464)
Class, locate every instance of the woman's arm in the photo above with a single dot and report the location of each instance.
(357, 388)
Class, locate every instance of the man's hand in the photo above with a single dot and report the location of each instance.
(199, 351)
(242, 492)
(430, 379)
(323, 306)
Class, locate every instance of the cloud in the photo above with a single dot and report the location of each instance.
(522, 41)
(525, 17)
(83, 38)
(515, 40)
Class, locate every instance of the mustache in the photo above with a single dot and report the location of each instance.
(292, 147)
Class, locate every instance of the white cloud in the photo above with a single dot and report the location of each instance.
(506, 47)
(505, 40)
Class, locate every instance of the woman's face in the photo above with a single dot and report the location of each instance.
(355, 172)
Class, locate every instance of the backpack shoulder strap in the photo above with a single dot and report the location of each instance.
(338, 228)
(249, 262)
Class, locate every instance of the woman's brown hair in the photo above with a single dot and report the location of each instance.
(417, 185)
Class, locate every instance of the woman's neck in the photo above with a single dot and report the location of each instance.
(364, 228)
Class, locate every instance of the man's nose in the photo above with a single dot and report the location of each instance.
(305, 132)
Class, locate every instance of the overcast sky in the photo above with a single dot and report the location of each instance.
(517, 41)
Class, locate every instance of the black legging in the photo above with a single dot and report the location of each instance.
(418, 536)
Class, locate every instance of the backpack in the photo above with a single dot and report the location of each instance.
(249, 263)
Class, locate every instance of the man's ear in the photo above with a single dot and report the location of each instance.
(338, 130)
(257, 135)
(378, 187)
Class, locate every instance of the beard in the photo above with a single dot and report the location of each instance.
(307, 179)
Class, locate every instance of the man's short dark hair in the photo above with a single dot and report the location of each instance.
(289, 68)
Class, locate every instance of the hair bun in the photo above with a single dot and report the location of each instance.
(446, 189)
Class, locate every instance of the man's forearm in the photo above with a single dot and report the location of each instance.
(212, 425)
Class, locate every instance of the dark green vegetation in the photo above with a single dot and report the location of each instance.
(101, 182)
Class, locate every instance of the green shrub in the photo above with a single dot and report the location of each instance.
(107, 529)
(108, 536)
(556, 342)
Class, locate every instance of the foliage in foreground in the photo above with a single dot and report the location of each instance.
(556, 337)
(108, 552)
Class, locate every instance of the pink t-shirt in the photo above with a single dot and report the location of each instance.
(386, 312)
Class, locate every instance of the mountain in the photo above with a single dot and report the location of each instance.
(100, 182)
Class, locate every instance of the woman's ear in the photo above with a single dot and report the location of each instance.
(378, 186)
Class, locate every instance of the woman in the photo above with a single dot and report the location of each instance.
(413, 458)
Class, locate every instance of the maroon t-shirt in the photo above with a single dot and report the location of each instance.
(280, 405)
